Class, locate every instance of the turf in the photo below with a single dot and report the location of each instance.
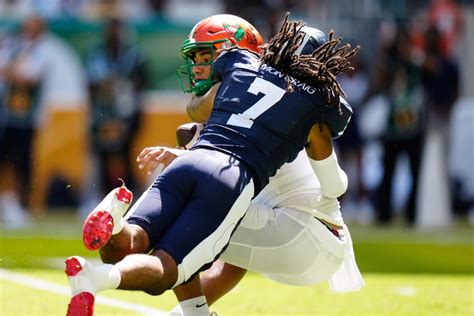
(385, 294)
(408, 272)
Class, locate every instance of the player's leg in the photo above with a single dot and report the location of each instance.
(152, 274)
(132, 239)
(131, 271)
(321, 248)
(215, 282)
(214, 191)
(106, 228)
(275, 242)
(286, 245)
(211, 221)
(189, 236)
(220, 279)
(191, 299)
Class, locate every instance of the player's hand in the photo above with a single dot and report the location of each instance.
(151, 158)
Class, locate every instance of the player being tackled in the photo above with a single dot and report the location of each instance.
(107, 218)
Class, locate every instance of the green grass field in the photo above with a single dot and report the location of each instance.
(406, 272)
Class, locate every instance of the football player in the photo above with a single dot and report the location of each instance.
(280, 236)
(265, 111)
(289, 207)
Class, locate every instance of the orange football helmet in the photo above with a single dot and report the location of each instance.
(214, 33)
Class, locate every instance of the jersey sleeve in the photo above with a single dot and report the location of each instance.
(224, 63)
(338, 117)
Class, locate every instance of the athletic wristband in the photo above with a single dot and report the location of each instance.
(332, 178)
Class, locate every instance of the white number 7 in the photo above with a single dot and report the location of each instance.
(272, 94)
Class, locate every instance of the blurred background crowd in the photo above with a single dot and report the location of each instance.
(86, 84)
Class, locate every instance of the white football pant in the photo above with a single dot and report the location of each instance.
(285, 245)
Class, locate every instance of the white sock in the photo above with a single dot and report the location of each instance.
(107, 276)
(196, 306)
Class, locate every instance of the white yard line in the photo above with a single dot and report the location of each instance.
(406, 291)
(43, 285)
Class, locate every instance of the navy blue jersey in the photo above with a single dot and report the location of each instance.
(257, 121)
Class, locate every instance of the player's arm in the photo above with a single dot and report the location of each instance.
(151, 157)
(200, 107)
(321, 153)
(323, 160)
(319, 145)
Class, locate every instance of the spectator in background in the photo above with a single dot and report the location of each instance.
(446, 17)
(36, 69)
(264, 14)
(117, 77)
(441, 85)
(15, 8)
(440, 80)
(400, 81)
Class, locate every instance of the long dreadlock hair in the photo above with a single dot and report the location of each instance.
(318, 69)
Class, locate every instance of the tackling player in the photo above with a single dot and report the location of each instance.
(291, 232)
(261, 119)
(281, 235)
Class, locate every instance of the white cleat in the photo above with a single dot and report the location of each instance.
(83, 289)
(106, 219)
